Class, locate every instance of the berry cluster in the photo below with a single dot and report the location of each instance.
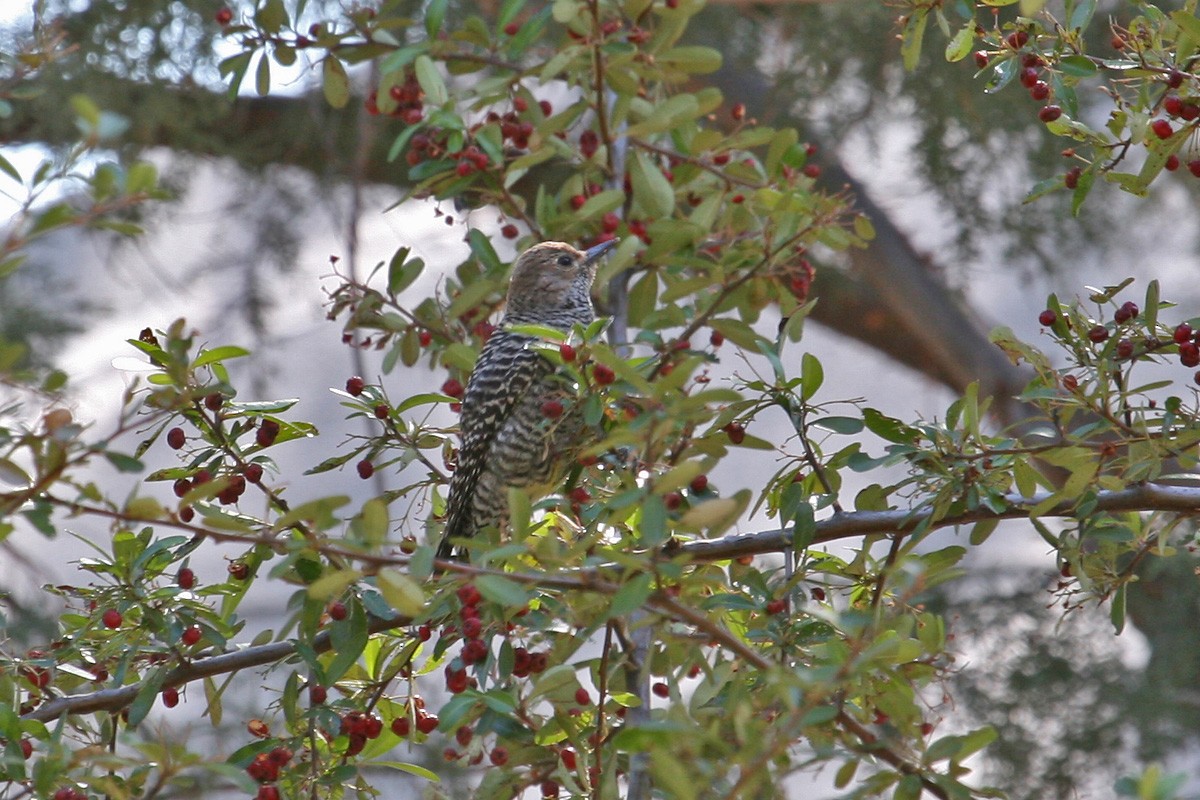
(265, 769)
(408, 97)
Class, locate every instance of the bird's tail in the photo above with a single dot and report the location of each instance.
(458, 526)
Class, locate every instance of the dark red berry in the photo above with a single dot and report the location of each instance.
(736, 432)
(552, 409)
(170, 697)
(238, 570)
(213, 401)
(1124, 348)
(1127, 311)
(776, 606)
(1070, 382)
(254, 472)
(498, 756)
(512, 28)
(661, 689)
(401, 726)
(510, 232)
(1017, 39)
(1049, 113)
(190, 635)
(1039, 91)
(1162, 129)
(1047, 318)
(582, 698)
(452, 388)
(1173, 105)
(427, 724)
(699, 484)
(185, 578)
(1172, 163)
(1071, 179)
(365, 469)
(337, 610)
(355, 385)
(568, 758)
(112, 619)
(1183, 333)
(317, 694)
(738, 112)
(1189, 354)
(424, 338)
(176, 438)
(603, 374)
(267, 432)
(981, 59)
(1098, 334)
(1194, 167)
(223, 16)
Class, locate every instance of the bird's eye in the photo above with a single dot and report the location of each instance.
(565, 261)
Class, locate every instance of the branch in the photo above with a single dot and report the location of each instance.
(1143, 497)
(257, 656)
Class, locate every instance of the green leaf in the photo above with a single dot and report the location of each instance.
(123, 463)
(207, 357)
(402, 592)
(271, 16)
(960, 46)
(435, 14)
(693, 59)
(914, 35)
(631, 596)
(8, 169)
(402, 272)
(502, 591)
(332, 584)
(262, 76)
(812, 375)
(430, 80)
(651, 189)
(1117, 612)
(334, 82)
(348, 639)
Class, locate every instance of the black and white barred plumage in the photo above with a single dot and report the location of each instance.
(507, 440)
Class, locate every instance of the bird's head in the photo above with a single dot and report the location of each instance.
(554, 275)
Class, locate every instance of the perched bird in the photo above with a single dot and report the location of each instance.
(508, 439)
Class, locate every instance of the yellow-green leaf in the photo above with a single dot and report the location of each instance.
(334, 82)
(401, 592)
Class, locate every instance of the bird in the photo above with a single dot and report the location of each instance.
(507, 439)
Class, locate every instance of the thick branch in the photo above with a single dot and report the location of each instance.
(256, 656)
(1144, 497)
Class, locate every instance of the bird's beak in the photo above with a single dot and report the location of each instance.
(594, 253)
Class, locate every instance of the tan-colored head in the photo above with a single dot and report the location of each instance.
(552, 277)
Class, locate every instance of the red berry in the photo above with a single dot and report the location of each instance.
(552, 409)
(1173, 105)
(238, 570)
(1127, 311)
(589, 143)
(365, 469)
(424, 633)
(736, 432)
(267, 432)
(1162, 129)
(549, 789)
(568, 758)
(223, 16)
(776, 606)
(181, 487)
(1189, 354)
(510, 232)
(1194, 167)
(317, 694)
(738, 112)
(738, 199)
(26, 748)
(1070, 383)
(1029, 76)
(427, 724)
(185, 578)
(1124, 348)
(1098, 334)
(1183, 333)
(190, 635)
(1050, 113)
(577, 201)
(452, 388)
(699, 484)
(981, 59)
(603, 374)
(424, 338)
(337, 610)
(170, 697)
(580, 495)
(401, 726)
(254, 472)
(187, 513)
(463, 736)
(498, 756)
(1071, 179)
(382, 411)
(582, 698)
(716, 339)
(1175, 79)
(818, 594)
(661, 689)
(472, 627)
(354, 386)
(567, 352)
(512, 28)
(176, 438)
(672, 500)
(1039, 91)
(267, 792)
(1047, 318)
(1172, 163)
(1017, 39)
(213, 401)
(112, 619)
